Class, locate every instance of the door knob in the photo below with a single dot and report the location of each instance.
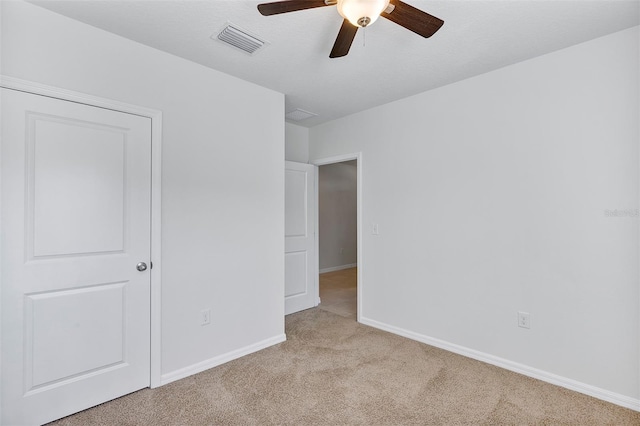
(141, 266)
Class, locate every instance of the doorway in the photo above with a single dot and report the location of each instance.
(339, 233)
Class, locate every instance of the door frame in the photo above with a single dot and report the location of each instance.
(359, 255)
(156, 180)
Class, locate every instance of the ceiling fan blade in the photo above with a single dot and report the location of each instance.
(413, 19)
(343, 41)
(290, 6)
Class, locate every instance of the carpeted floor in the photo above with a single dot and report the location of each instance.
(334, 371)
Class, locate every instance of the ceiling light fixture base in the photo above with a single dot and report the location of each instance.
(361, 13)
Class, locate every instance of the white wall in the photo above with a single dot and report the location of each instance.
(296, 147)
(491, 194)
(337, 215)
(222, 180)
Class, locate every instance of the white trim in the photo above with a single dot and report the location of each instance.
(574, 385)
(339, 159)
(220, 359)
(338, 268)
(336, 159)
(316, 232)
(82, 98)
(156, 251)
(156, 191)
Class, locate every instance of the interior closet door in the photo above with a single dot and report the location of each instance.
(76, 192)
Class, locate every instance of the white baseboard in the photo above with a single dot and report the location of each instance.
(338, 268)
(220, 359)
(603, 394)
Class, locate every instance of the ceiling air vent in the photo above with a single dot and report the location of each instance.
(240, 39)
(299, 115)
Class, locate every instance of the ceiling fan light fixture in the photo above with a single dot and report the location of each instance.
(361, 13)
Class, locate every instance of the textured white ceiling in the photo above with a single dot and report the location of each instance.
(386, 62)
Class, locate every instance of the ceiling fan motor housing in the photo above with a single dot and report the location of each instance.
(361, 12)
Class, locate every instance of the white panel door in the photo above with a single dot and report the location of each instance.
(76, 184)
(301, 268)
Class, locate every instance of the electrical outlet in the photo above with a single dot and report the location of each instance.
(524, 320)
(205, 317)
(375, 230)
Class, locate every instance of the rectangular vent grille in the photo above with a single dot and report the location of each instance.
(299, 115)
(240, 39)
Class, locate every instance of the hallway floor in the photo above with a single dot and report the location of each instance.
(338, 292)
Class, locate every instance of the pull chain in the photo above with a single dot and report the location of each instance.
(364, 37)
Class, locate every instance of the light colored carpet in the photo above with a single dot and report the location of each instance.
(334, 371)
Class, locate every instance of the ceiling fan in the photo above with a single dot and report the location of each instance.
(359, 14)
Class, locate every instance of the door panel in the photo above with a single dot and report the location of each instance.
(47, 324)
(296, 269)
(296, 215)
(76, 185)
(88, 196)
(301, 290)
